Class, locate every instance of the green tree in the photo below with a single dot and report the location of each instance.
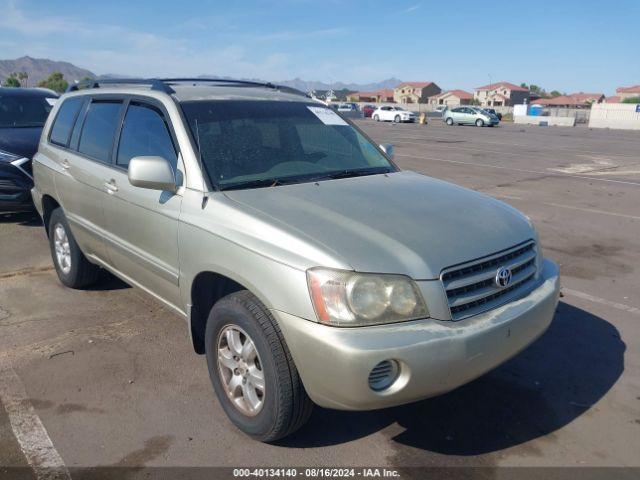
(12, 81)
(23, 76)
(631, 100)
(555, 93)
(55, 82)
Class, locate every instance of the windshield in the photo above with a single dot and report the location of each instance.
(250, 144)
(22, 111)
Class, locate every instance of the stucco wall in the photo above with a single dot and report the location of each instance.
(615, 115)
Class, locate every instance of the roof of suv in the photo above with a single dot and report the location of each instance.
(185, 90)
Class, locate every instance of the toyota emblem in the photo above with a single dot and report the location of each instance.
(503, 277)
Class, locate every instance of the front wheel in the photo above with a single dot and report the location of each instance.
(449, 121)
(252, 371)
(397, 119)
(72, 267)
(479, 123)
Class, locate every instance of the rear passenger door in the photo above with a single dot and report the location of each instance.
(142, 224)
(85, 154)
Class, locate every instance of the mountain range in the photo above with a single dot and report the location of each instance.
(40, 68)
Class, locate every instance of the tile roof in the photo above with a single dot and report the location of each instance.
(634, 89)
(580, 98)
(461, 94)
(612, 100)
(510, 86)
(414, 84)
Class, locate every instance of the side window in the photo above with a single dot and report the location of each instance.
(145, 133)
(63, 124)
(98, 131)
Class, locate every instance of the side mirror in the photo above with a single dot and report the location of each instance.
(153, 173)
(388, 149)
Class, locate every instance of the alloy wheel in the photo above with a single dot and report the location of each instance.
(61, 247)
(241, 370)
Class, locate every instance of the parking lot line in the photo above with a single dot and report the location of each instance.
(540, 172)
(28, 429)
(608, 303)
(570, 207)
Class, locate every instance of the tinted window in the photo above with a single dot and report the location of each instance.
(64, 121)
(145, 133)
(23, 110)
(98, 130)
(244, 142)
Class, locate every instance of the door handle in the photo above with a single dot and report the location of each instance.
(111, 186)
(65, 164)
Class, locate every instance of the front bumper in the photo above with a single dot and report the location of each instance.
(15, 189)
(434, 356)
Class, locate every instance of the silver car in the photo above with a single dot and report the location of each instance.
(309, 268)
(470, 116)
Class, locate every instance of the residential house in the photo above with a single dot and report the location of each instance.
(501, 94)
(573, 100)
(628, 92)
(415, 92)
(451, 98)
(614, 99)
(379, 96)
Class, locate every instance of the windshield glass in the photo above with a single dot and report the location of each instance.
(22, 111)
(249, 144)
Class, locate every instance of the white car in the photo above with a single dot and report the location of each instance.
(393, 114)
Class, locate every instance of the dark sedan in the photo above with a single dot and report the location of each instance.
(23, 112)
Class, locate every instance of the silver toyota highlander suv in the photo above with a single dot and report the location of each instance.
(308, 266)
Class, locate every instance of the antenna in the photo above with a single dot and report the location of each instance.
(202, 172)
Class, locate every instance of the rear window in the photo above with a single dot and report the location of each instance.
(64, 121)
(98, 131)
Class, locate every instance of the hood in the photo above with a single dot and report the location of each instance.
(403, 222)
(20, 141)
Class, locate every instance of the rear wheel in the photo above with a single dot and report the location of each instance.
(72, 267)
(449, 121)
(253, 374)
(376, 118)
(479, 123)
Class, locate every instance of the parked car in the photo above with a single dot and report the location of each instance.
(393, 114)
(492, 111)
(23, 112)
(368, 110)
(470, 116)
(308, 266)
(440, 109)
(349, 110)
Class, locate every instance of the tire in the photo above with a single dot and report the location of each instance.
(285, 405)
(72, 267)
(376, 118)
(449, 121)
(479, 123)
(396, 119)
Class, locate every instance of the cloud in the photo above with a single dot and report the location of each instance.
(412, 8)
(13, 18)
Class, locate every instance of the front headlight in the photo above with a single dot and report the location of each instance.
(350, 299)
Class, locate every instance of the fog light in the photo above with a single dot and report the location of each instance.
(383, 375)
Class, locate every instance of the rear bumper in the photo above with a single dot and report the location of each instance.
(434, 356)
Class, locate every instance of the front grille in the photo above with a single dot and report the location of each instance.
(8, 185)
(471, 287)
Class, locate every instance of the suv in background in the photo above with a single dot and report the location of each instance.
(23, 112)
(308, 266)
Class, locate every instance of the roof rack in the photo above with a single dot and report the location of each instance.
(154, 83)
(164, 84)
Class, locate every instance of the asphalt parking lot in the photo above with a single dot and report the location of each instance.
(107, 377)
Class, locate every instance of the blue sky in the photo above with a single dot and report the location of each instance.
(568, 45)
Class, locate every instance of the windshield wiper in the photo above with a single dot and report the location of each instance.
(261, 182)
(347, 173)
